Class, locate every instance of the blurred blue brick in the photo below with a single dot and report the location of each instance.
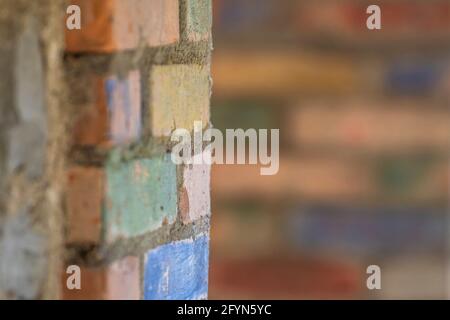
(367, 230)
(415, 78)
(178, 271)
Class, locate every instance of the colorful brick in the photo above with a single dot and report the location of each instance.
(124, 107)
(114, 25)
(179, 96)
(141, 197)
(114, 117)
(118, 281)
(197, 17)
(178, 270)
(195, 200)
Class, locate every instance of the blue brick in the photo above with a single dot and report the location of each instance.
(178, 271)
(367, 230)
(413, 78)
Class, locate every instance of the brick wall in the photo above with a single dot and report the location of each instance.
(135, 223)
(364, 135)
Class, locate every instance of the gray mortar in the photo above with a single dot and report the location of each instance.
(98, 255)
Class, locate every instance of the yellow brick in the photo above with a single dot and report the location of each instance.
(179, 95)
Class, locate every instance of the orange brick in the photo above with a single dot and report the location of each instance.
(114, 25)
(118, 281)
(84, 204)
(114, 115)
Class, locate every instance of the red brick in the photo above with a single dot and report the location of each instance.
(278, 277)
(85, 192)
(113, 25)
(118, 281)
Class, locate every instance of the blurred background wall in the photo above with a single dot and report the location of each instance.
(364, 124)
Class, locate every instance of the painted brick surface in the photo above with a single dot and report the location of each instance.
(195, 201)
(124, 279)
(113, 25)
(124, 107)
(179, 95)
(78, 179)
(141, 196)
(114, 117)
(118, 281)
(84, 201)
(198, 19)
(177, 271)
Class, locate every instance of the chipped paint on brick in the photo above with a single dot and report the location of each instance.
(198, 19)
(124, 107)
(195, 199)
(179, 96)
(178, 271)
(141, 196)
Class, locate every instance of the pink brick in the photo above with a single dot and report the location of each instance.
(118, 281)
(195, 195)
(124, 279)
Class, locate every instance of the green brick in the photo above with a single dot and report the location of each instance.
(179, 95)
(141, 197)
(197, 19)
